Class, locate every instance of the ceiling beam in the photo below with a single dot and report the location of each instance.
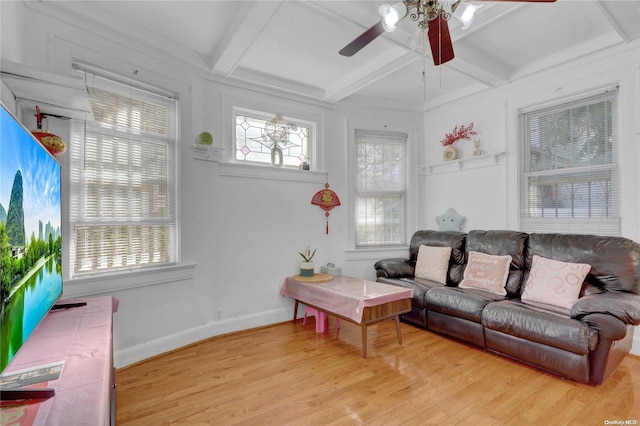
(358, 81)
(250, 21)
(614, 21)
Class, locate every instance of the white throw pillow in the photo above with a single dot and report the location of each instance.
(486, 272)
(553, 282)
(433, 263)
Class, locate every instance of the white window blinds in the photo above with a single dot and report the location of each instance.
(123, 179)
(381, 188)
(569, 174)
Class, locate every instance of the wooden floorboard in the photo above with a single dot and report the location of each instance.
(287, 374)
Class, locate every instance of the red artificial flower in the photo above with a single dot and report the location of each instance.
(462, 132)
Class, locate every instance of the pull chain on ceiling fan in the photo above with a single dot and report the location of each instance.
(431, 15)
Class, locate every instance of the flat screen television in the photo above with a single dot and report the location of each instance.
(30, 236)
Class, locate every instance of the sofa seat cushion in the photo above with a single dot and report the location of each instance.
(462, 303)
(539, 325)
(419, 286)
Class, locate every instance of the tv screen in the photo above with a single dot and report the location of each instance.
(30, 237)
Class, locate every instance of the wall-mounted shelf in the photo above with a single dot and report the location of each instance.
(55, 94)
(486, 160)
(207, 153)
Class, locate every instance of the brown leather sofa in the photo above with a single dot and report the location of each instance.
(585, 344)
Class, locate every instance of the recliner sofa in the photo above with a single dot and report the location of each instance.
(585, 343)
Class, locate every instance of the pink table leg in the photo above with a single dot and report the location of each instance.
(321, 321)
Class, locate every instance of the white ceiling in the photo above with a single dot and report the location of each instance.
(293, 45)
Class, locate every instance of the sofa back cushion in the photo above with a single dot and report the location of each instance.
(453, 239)
(502, 243)
(614, 261)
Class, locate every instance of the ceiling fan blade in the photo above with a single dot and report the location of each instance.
(362, 40)
(440, 41)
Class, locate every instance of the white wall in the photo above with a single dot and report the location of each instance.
(487, 196)
(240, 234)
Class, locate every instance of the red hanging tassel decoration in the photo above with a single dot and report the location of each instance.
(326, 199)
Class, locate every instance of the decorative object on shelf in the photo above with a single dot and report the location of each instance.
(477, 151)
(306, 267)
(54, 144)
(450, 153)
(205, 138)
(277, 133)
(458, 133)
(326, 199)
(450, 221)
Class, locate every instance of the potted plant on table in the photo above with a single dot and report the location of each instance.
(306, 267)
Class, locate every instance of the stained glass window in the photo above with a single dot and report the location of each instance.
(255, 138)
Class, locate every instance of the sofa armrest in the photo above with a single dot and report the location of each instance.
(624, 306)
(394, 268)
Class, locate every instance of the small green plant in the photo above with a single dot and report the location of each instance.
(307, 255)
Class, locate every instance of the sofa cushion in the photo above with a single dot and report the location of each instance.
(458, 302)
(486, 272)
(615, 261)
(538, 325)
(433, 263)
(512, 243)
(554, 282)
(418, 286)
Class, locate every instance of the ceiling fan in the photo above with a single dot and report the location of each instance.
(431, 15)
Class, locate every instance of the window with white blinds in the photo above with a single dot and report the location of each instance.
(569, 173)
(381, 188)
(123, 179)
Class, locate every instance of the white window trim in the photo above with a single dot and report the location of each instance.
(411, 203)
(161, 86)
(311, 125)
(515, 168)
(306, 113)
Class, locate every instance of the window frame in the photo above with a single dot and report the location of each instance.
(267, 116)
(384, 136)
(171, 221)
(609, 224)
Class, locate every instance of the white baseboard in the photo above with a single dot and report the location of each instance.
(635, 348)
(137, 353)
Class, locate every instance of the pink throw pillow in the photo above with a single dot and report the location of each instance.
(433, 263)
(554, 282)
(486, 272)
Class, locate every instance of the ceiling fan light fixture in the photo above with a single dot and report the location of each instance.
(464, 12)
(391, 15)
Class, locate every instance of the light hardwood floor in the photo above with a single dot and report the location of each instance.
(286, 374)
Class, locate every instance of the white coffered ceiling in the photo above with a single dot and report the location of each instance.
(293, 45)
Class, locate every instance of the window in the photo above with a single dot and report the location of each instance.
(381, 188)
(255, 133)
(123, 179)
(569, 179)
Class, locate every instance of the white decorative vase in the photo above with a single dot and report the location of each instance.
(450, 153)
(276, 156)
(306, 269)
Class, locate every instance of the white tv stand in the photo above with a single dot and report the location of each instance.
(85, 392)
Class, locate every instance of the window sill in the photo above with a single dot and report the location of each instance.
(210, 153)
(125, 280)
(275, 173)
(376, 253)
(476, 162)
